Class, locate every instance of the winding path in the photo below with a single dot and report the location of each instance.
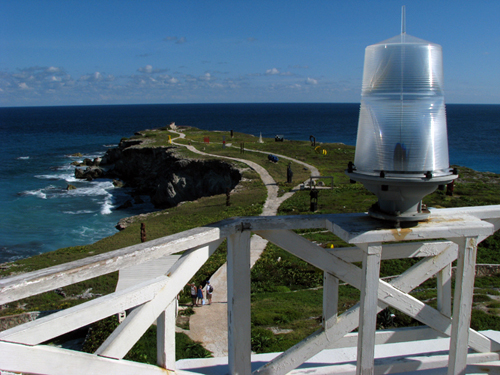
(209, 324)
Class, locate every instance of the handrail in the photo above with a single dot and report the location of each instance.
(154, 297)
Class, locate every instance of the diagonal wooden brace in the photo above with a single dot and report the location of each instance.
(135, 325)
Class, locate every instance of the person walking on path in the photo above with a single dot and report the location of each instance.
(200, 295)
(193, 293)
(208, 292)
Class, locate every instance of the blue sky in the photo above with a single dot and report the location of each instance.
(125, 52)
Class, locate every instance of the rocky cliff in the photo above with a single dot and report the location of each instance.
(165, 176)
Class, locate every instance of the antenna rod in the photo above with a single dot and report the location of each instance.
(403, 20)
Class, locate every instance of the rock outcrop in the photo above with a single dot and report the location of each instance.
(165, 176)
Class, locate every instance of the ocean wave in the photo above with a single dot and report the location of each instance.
(91, 234)
(37, 193)
(107, 205)
(93, 189)
(52, 177)
(80, 212)
(23, 158)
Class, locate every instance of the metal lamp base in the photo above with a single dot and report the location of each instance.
(400, 196)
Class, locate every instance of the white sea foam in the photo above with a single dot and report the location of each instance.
(23, 158)
(94, 188)
(107, 205)
(47, 177)
(37, 193)
(80, 212)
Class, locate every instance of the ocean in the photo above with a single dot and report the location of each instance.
(39, 215)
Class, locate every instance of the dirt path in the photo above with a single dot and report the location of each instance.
(209, 324)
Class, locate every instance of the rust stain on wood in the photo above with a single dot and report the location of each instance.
(400, 233)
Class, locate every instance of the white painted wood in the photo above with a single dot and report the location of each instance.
(462, 304)
(330, 300)
(165, 337)
(480, 363)
(135, 325)
(348, 321)
(388, 294)
(390, 336)
(368, 309)
(396, 251)
(43, 359)
(360, 228)
(481, 212)
(425, 269)
(238, 303)
(32, 283)
(139, 273)
(153, 296)
(21, 286)
(444, 279)
(54, 325)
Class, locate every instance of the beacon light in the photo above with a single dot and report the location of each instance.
(402, 142)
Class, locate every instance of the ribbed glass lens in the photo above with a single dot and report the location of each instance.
(402, 122)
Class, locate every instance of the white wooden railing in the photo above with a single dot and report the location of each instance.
(449, 235)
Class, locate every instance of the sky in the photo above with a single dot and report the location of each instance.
(71, 52)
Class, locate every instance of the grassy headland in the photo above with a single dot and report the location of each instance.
(286, 307)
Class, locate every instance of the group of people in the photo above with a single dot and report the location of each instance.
(197, 294)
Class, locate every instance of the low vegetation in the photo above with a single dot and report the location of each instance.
(286, 291)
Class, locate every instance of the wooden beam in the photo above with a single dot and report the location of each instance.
(68, 320)
(330, 301)
(387, 293)
(368, 309)
(359, 229)
(135, 325)
(396, 251)
(43, 359)
(238, 305)
(462, 304)
(390, 336)
(444, 280)
(349, 320)
(165, 337)
(32, 283)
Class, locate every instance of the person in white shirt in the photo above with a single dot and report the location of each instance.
(208, 292)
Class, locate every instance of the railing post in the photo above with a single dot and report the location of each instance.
(444, 290)
(372, 254)
(165, 337)
(330, 300)
(238, 303)
(462, 304)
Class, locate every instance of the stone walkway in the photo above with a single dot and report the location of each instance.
(209, 324)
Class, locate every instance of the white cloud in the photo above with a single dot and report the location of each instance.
(23, 86)
(146, 69)
(272, 71)
(206, 77)
(311, 81)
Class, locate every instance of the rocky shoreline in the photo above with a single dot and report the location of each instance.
(160, 173)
